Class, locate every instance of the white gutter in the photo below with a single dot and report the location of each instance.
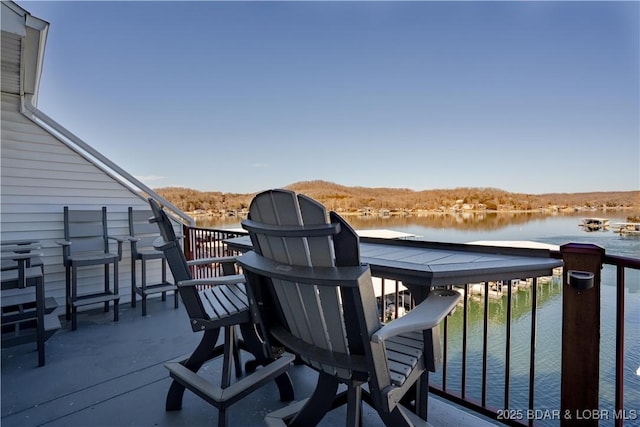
(99, 160)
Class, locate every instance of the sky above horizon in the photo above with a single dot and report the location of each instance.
(527, 97)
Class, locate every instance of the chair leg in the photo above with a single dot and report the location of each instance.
(422, 395)
(133, 283)
(74, 290)
(396, 419)
(236, 352)
(40, 320)
(106, 286)
(320, 402)
(227, 358)
(354, 406)
(115, 292)
(231, 355)
(68, 292)
(144, 286)
(254, 345)
(223, 418)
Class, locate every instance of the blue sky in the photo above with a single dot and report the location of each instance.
(531, 97)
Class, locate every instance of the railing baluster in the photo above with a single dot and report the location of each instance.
(465, 321)
(397, 300)
(445, 324)
(619, 403)
(507, 359)
(532, 347)
(383, 301)
(485, 342)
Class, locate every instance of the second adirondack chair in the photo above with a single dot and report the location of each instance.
(215, 304)
(317, 301)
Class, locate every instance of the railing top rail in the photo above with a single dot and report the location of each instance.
(622, 261)
(609, 259)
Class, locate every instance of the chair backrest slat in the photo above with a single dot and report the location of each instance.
(281, 209)
(87, 229)
(142, 229)
(86, 245)
(322, 255)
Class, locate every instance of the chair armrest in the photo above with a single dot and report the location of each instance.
(131, 238)
(212, 260)
(428, 314)
(213, 281)
(118, 239)
(63, 242)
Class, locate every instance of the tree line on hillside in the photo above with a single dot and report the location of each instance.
(350, 199)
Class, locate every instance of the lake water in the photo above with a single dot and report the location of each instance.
(557, 230)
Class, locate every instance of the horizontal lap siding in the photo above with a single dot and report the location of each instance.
(39, 176)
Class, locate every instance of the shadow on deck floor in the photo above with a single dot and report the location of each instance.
(112, 374)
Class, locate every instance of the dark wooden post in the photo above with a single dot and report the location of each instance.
(186, 244)
(580, 334)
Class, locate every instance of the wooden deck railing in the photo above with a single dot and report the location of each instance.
(202, 242)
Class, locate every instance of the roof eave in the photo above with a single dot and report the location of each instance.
(33, 31)
(34, 47)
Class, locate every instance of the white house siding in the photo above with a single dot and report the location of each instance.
(39, 176)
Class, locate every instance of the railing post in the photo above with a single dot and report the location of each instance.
(580, 334)
(186, 246)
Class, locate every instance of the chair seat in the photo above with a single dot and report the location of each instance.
(92, 259)
(147, 254)
(224, 301)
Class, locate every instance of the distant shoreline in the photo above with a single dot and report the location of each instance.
(427, 212)
(393, 202)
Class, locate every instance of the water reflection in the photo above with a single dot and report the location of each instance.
(469, 221)
(459, 220)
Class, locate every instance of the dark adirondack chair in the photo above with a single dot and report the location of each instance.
(317, 300)
(214, 304)
(86, 244)
(142, 235)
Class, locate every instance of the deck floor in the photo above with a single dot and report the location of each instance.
(112, 374)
